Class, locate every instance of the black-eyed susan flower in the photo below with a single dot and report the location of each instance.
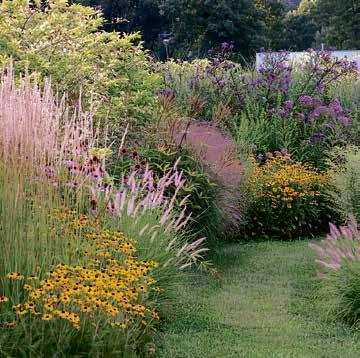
(15, 276)
(3, 299)
(47, 317)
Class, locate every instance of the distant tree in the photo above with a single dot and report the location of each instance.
(299, 31)
(132, 16)
(198, 25)
(338, 21)
(272, 13)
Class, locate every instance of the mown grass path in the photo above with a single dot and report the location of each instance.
(262, 306)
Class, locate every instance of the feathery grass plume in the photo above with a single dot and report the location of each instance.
(39, 137)
(142, 207)
(339, 271)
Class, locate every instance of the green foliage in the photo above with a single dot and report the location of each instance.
(347, 90)
(342, 293)
(65, 42)
(346, 162)
(132, 16)
(197, 93)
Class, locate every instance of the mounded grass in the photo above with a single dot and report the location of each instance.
(262, 305)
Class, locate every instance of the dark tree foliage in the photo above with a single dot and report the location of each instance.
(340, 21)
(131, 16)
(299, 32)
(272, 14)
(198, 25)
(191, 27)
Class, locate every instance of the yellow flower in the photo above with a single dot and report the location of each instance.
(29, 306)
(15, 276)
(47, 317)
(21, 312)
(9, 324)
(3, 299)
(48, 306)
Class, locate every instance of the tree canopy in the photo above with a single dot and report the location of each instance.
(192, 27)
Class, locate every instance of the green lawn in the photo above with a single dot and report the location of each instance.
(262, 306)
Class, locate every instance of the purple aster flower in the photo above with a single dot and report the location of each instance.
(345, 121)
(336, 107)
(269, 155)
(306, 101)
(282, 113)
(225, 45)
(319, 110)
(167, 93)
(289, 105)
(216, 61)
(300, 116)
(317, 137)
(229, 65)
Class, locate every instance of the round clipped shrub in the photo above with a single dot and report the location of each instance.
(285, 198)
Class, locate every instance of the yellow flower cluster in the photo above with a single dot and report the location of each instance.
(286, 182)
(109, 283)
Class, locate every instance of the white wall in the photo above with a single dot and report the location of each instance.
(298, 56)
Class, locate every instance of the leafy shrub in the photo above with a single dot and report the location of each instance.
(339, 271)
(346, 164)
(65, 42)
(284, 198)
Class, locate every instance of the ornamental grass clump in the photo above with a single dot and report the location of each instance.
(285, 198)
(38, 136)
(339, 272)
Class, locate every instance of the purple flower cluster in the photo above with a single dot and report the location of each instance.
(306, 101)
(275, 73)
(321, 118)
(312, 109)
(323, 69)
(167, 93)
